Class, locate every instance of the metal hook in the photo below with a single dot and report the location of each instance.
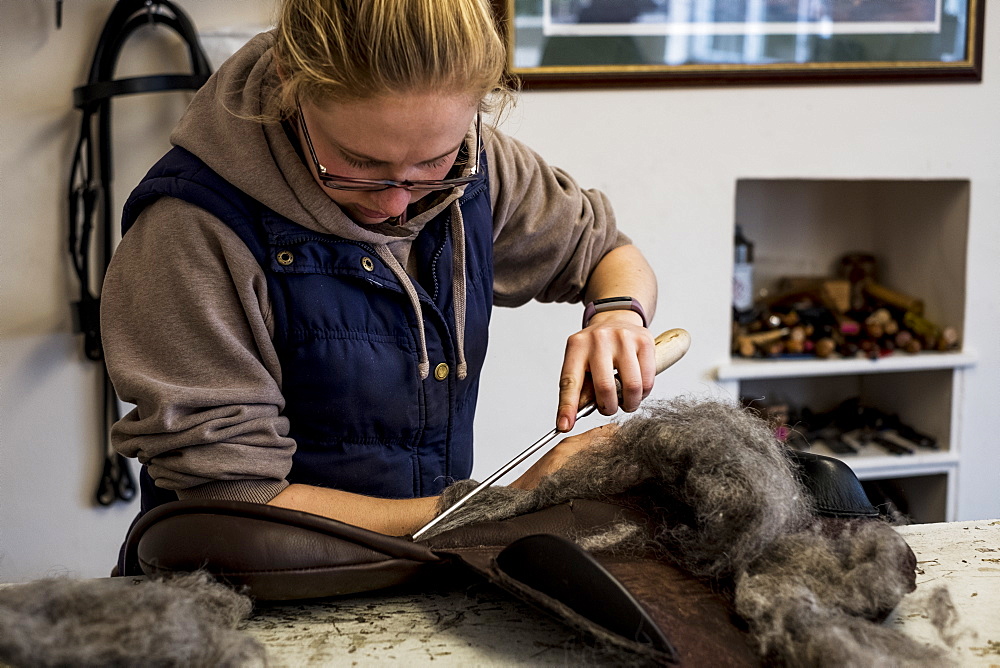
(152, 7)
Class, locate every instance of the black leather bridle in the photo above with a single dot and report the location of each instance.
(90, 196)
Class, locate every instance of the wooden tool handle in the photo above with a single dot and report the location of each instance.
(670, 347)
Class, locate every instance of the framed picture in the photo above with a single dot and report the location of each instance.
(600, 43)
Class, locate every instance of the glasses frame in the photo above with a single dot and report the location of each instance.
(335, 182)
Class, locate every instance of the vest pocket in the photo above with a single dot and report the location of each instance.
(351, 386)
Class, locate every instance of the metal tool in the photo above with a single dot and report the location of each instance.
(670, 347)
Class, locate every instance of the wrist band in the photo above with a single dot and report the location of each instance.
(613, 304)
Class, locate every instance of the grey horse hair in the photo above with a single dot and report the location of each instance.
(725, 504)
(186, 620)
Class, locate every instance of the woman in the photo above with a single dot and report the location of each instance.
(299, 305)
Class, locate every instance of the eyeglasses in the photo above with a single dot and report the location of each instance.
(370, 185)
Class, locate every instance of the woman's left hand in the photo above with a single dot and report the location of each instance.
(556, 458)
(613, 340)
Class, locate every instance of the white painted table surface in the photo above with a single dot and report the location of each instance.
(965, 558)
(481, 626)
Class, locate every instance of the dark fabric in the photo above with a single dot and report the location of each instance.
(347, 339)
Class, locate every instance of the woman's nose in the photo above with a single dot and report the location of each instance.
(392, 201)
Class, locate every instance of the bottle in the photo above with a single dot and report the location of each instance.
(743, 279)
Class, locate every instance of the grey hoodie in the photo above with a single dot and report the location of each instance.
(185, 313)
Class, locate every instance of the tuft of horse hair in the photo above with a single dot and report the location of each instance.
(712, 475)
(725, 504)
(184, 620)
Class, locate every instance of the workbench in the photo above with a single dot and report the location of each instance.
(475, 624)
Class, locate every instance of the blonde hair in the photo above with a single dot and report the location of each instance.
(349, 50)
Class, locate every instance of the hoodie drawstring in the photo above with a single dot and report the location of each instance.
(458, 283)
(383, 252)
(458, 292)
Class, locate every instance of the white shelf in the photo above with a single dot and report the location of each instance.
(745, 369)
(880, 466)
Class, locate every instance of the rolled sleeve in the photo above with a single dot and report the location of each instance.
(185, 321)
(549, 233)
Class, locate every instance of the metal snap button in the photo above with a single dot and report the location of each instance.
(285, 257)
(367, 264)
(441, 371)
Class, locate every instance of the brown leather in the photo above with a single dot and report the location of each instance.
(579, 516)
(697, 621)
(278, 554)
(701, 625)
(281, 554)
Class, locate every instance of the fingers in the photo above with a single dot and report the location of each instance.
(595, 354)
(602, 362)
(630, 375)
(646, 356)
(571, 384)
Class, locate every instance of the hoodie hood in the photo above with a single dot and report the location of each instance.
(221, 127)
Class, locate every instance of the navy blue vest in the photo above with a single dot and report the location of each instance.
(347, 339)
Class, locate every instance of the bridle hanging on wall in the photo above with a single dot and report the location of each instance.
(90, 195)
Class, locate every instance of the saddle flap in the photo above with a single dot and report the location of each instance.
(632, 601)
(562, 570)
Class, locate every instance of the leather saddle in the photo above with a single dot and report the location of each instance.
(644, 605)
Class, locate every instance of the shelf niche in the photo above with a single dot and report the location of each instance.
(917, 231)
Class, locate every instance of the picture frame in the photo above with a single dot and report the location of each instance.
(627, 43)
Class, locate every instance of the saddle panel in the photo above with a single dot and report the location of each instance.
(275, 554)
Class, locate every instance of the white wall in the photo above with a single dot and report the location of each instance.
(50, 437)
(669, 158)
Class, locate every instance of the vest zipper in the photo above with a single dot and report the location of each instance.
(434, 261)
